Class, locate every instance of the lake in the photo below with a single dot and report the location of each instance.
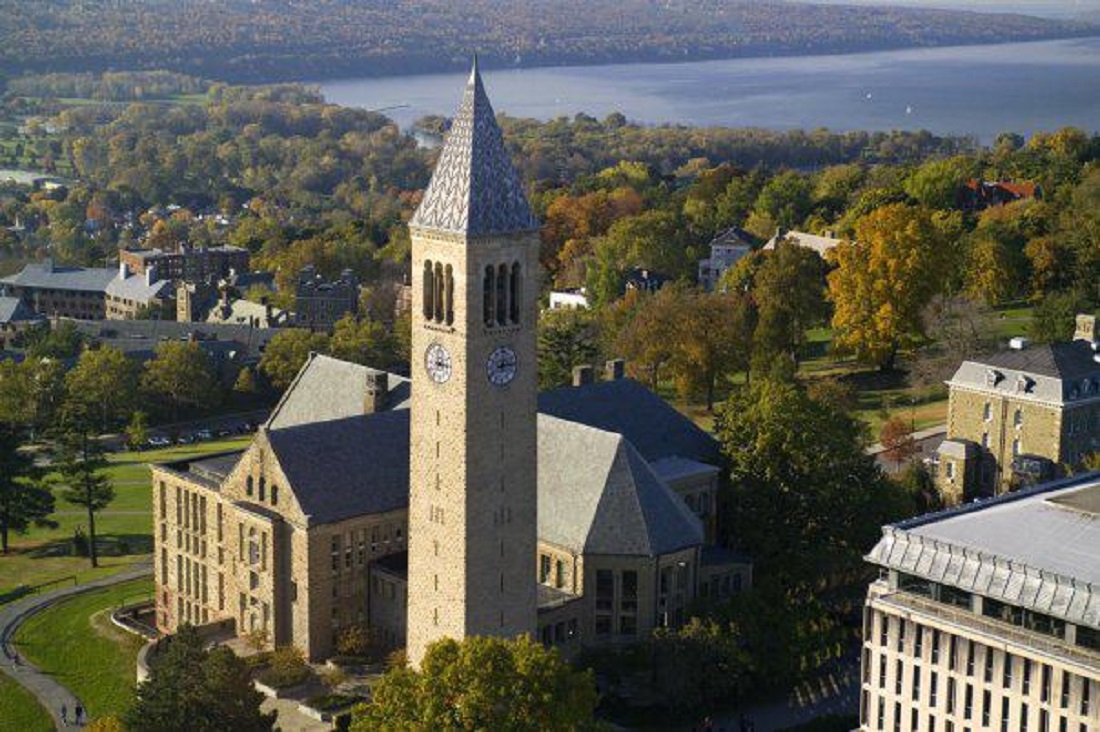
(963, 90)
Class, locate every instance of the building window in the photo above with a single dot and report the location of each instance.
(1018, 417)
(544, 568)
(502, 295)
(274, 495)
(449, 295)
(559, 573)
(987, 412)
(630, 591)
(263, 489)
(248, 486)
(428, 289)
(514, 299)
(488, 290)
(949, 470)
(1016, 447)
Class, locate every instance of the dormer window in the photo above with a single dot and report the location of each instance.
(993, 377)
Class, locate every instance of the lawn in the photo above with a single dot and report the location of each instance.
(76, 642)
(124, 528)
(21, 711)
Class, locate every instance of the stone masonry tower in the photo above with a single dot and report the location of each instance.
(472, 522)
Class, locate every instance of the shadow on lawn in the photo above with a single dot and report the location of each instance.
(109, 545)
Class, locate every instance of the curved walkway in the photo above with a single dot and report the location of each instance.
(50, 694)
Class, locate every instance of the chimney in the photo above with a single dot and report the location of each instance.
(47, 265)
(583, 375)
(150, 275)
(1086, 328)
(377, 392)
(614, 369)
(123, 269)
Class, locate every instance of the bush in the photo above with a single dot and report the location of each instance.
(258, 660)
(288, 668)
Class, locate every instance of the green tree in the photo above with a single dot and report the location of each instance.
(363, 341)
(80, 465)
(137, 431)
(784, 202)
(789, 290)
(937, 183)
(181, 375)
(566, 338)
(195, 689)
(809, 501)
(59, 342)
(1054, 319)
(711, 342)
(482, 683)
(287, 352)
(106, 382)
(883, 281)
(23, 503)
(246, 382)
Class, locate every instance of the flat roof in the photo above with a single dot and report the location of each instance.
(1038, 548)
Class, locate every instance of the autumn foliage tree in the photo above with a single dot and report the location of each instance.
(883, 280)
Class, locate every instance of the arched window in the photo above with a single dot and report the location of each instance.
(502, 294)
(274, 495)
(429, 289)
(263, 489)
(248, 485)
(487, 289)
(514, 300)
(449, 294)
(437, 305)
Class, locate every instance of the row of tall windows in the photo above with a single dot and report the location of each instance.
(501, 295)
(439, 292)
(258, 489)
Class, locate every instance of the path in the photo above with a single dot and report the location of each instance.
(50, 694)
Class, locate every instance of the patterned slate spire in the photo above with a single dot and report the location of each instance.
(474, 189)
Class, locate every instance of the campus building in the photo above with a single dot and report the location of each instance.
(1020, 416)
(459, 502)
(987, 617)
(56, 291)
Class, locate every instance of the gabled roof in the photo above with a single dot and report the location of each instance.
(597, 495)
(474, 189)
(136, 287)
(328, 389)
(346, 467)
(49, 275)
(630, 409)
(13, 310)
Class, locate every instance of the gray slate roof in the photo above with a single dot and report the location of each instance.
(629, 408)
(327, 389)
(1055, 372)
(139, 337)
(474, 189)
(347, 467)
(13, 310)
(1038, 548)
(51, 276)
(136, 288)
(597, 495)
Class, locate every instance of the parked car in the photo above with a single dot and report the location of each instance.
(159, 442)
(204, 435)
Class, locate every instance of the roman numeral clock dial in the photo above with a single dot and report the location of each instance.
(437, 361)
(501, 368)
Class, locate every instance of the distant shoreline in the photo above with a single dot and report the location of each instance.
(489, 66)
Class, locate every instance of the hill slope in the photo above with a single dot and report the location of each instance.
(264, 40)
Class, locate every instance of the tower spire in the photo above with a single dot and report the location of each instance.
(475, 190)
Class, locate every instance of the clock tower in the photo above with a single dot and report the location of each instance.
(473, 462)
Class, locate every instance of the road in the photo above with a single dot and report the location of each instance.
(50, 694)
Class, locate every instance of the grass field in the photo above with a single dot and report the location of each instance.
(124, 528)
(19, 710)
(76, 642)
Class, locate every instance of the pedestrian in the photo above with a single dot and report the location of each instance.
(65, 714)
(79, 712)
(15, 659)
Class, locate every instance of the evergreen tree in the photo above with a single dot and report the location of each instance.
(22, 503)
(190, 688)
(80, 464)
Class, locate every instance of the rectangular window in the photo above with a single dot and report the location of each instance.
(1085, 701)
(935, 646)
(605, 590)
(629, 602)
(901, 635)
(933, 690)
(559, 573)
(950, 695)
(882, 672)
(988, 665)
(1006, 674)
(899, 671)
(544, 568)
(1045, 691)
(163, 501)
(884, 630)
(918, 642)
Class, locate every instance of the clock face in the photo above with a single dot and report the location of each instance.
(501, 367)
(438, 363)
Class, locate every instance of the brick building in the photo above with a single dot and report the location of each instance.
(319, 303)
(189, 264)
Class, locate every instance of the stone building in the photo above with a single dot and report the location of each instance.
(85, 293)
(318, 303)
(1019, 416)
(988, 616)
(188, 264)
(15, 318)
(460, 503)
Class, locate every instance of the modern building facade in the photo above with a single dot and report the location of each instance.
(988, 617)
(1021, 416)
